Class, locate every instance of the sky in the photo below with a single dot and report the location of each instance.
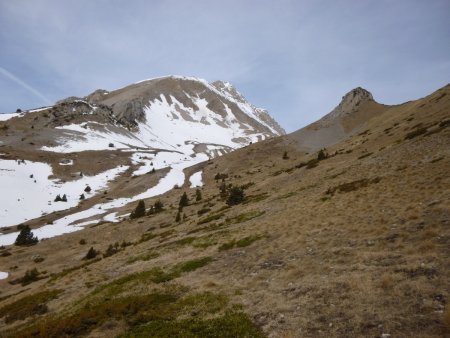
(295, 58)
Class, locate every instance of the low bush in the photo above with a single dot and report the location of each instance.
(28, 306)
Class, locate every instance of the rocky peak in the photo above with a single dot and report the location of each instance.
(228, 89)
(351, 101)
(357, 95)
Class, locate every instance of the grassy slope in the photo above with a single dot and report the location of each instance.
(356, 246)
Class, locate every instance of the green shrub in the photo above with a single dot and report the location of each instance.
(198, 195)
(92, 253)
(230, 325)
(243, 242)
(322, 154)
(236, 196)
(210, 218)
(29, 277)
(26, 237)
(28, 306)
(159, 206)
(112, 250)
(184, 201)
(139, 211)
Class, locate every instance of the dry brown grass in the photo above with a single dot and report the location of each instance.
(368, 260)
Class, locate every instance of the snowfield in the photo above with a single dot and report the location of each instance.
(170, 126)
(71, 223)
(30, 193)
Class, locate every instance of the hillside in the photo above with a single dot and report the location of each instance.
(148, 132)
(354, 242)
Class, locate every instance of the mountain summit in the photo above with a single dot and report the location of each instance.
(355, 109)
(163, 113)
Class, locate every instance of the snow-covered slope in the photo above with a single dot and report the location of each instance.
(170, 122)
(173, 113)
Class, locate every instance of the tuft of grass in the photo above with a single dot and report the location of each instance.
(155, 275)
(191, 265)
(243, 242)
(146, 237)
(210, 218)
(289, 194)
(256, 198)
(244, 217)
(352, 186)
(364, 155)
(231, 324)
(28, 306)
(185, 240)
(132, 309)
(75, 268)
(415, 133)
(144, 257)
(204, 241)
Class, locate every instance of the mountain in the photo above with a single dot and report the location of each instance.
(278, 241)
(356, 109)
(150, 126)
(172, 113)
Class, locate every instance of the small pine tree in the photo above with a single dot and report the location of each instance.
(236, 196)
(92, 253)
(322, 154)
(64, 198)
(112, 249)
(285, 156)
(198, 195)
(139, 211)
(82, 197)
(153, 170)
(178, 217)
(159, 206)
(87, 189)
(58, 198)
(30, 277)
(184, 201)
(26, 237)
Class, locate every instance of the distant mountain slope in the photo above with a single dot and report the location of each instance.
(159, 126)
(165, 113)
(355, 109)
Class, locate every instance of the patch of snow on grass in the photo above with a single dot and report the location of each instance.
(68, 224)
(3, 275)
(31, 194)
(196, 179)
(4, 117)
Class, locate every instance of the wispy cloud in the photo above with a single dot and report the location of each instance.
(24, 85)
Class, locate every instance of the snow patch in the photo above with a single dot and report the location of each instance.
(31, 193)
(71, 223)
(4, 117)
(196, 179)
(3, 275)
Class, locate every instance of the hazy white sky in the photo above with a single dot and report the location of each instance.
(295, 58)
